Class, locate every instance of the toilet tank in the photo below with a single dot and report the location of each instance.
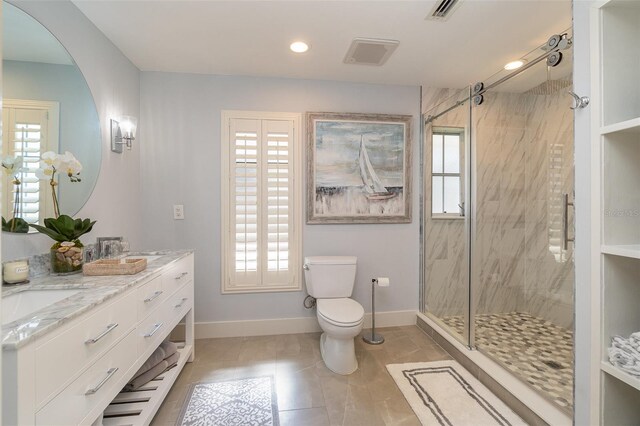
(330, 276)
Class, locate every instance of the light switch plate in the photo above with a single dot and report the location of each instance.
(178, 211)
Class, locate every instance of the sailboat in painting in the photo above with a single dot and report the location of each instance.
(373, 188)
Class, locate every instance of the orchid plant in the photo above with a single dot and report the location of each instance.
(53, 163)
(13, 167)
(61, 228)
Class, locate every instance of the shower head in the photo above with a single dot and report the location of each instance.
(549, 87)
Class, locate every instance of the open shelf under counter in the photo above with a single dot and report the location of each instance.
(610, 369)
(139, 407)
(624, 250)
(628, 126)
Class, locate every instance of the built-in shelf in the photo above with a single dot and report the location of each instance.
(608, 368)
(628, 250)
(628, 126)
(138, 408)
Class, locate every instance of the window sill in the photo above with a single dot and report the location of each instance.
(447, 217)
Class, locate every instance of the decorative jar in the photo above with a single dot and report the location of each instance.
(67, 257)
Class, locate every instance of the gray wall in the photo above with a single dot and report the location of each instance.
(79, 130)
(115, 84)
(180, 117)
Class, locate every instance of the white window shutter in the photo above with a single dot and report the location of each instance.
(27, 137)
(262, 207)
(277, 200)
(244, 167)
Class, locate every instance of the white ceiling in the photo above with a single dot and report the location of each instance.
(252, 37)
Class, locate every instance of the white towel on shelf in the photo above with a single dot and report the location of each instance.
(626, 346)
(634, 339)
(624, 354)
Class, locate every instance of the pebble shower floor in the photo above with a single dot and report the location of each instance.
(536, 350)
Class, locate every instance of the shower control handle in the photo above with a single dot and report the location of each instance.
(565, 221)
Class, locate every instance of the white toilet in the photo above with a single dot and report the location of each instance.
(330, 281)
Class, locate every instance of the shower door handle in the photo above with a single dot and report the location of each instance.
(565, 221)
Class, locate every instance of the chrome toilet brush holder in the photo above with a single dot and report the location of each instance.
(373, 338)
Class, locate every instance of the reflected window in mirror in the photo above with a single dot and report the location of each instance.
(38, 74)
(447, 150)
(31, 128)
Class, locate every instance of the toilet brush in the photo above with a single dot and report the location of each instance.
(373, 338)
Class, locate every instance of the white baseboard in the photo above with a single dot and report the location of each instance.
(268, 327)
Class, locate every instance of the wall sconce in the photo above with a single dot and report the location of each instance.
(123, 131)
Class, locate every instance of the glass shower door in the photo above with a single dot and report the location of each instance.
(523, 271)
(446, 234)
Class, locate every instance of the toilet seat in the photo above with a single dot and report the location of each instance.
(342, 312)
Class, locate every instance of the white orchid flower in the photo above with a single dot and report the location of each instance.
(70, 165)
(44, 173)
(12, 166)
(52, 159)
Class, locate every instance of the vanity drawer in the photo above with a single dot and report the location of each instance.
(152, 331)
(179, 274)
(95, 387)
(180, 303)
(61, 358)
(150, 296)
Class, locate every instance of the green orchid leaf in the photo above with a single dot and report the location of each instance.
(50, 233)
(55, 225)
(65, 228)
(18, 225)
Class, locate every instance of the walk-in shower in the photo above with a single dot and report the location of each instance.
(498, 270)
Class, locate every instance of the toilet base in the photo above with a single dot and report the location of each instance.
(339, 355)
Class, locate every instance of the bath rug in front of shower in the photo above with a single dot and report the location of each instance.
(236, 402)
(444, 393)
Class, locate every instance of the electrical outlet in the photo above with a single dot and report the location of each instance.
(178, 211)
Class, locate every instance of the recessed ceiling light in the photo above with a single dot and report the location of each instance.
(299, 47)
(514, 65)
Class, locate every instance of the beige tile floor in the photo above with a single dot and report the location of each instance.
(309, 393)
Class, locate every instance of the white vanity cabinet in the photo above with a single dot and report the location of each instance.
(70, 375)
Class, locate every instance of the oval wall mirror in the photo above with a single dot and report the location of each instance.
(47, 106)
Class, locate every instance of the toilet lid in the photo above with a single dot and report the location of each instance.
(343, 311)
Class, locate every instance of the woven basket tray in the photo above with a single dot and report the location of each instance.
(114, 267)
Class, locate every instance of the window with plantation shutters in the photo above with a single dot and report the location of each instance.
(261, 196)
(30, 129)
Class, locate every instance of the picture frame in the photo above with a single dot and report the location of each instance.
(358, 168)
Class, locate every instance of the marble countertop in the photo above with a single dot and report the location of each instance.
(95, 290)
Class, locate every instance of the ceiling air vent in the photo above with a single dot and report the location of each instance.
(443, 9)
(370, 51)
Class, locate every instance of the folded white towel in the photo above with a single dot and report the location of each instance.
(624, 359)
(634, 339)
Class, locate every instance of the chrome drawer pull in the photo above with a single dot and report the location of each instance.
(109, 329)
(179, 305)
(156, 294)
(95, 389)
(156, 327)
(182, 274)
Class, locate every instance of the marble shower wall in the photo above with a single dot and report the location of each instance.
(524, 155)
(447, 289)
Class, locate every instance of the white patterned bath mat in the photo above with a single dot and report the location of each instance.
(444, 393)
(237, 402)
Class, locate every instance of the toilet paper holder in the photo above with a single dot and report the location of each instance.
(374, 338)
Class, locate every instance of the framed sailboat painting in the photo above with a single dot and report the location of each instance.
(358, 168)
